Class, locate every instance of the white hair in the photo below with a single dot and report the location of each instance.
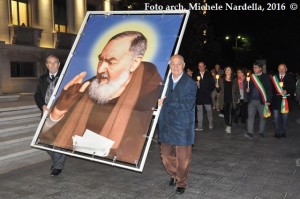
(103, 93)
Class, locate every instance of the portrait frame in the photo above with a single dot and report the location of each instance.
(77, 54)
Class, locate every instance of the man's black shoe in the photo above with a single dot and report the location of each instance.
(180, 190)
(276, 135)
(172, 182)
(55, 172)
(283, 135)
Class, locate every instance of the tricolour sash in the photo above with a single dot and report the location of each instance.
(261, 89)
(284, 103)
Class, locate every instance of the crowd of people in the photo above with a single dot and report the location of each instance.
(242, 93)
(237, 94)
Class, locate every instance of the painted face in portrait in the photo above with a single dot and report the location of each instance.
(115, 67)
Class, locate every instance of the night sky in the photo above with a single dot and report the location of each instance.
(275, 35)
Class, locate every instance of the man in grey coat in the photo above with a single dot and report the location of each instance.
(176, 124)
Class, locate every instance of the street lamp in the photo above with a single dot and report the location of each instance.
(236, 39)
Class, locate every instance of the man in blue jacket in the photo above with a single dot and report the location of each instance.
(176, 124)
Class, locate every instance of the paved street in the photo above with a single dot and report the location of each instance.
(223, 166)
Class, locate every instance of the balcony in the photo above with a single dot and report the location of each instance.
(22, 35)
(63, 40)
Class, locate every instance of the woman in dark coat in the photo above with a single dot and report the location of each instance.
(229, 96)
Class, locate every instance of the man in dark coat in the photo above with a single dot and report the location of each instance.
(176, 124)
(205, 85)
(42, 96)
(283, 89)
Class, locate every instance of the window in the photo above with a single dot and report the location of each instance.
(19, 10)
(60, 15)
(23, 69)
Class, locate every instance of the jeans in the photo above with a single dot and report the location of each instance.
(253, 107)
(200, 115)
(280, 122)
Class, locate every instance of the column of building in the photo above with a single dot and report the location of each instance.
(76, 11)
(44, 20)
(4, 21)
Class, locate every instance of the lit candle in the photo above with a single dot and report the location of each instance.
(248, 80)
(217, 77)
(248, 74)
(198, 81)
(281, 84)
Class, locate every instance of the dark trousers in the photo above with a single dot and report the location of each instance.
(58, 159)
(228, 113)
(280, 122)
(177, 161)
(242, 112)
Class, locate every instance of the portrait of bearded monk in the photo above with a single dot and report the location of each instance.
(117, 103)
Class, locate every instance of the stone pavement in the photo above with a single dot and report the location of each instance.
(225, 166)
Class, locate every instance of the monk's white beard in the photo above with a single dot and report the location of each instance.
(103, 93)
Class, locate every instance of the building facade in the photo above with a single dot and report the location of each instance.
(32, 29)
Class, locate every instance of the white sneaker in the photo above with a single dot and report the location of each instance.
(221, 115)
(228, 129)
(211, 126)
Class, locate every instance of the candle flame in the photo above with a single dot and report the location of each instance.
(198, 78)
(281, 84)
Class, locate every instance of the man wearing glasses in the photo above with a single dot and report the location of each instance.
(260, 94)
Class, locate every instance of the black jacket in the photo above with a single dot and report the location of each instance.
(41, 89)
(289, 86)
(207, 85)
(266, 82)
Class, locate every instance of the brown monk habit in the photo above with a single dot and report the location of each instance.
(127, 123)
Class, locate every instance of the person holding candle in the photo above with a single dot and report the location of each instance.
(283, 89)
(260, 95)
(206, 85)
(228, 89)
(243, 83)
(217, 73)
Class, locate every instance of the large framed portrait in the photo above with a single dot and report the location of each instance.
(104, 106)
